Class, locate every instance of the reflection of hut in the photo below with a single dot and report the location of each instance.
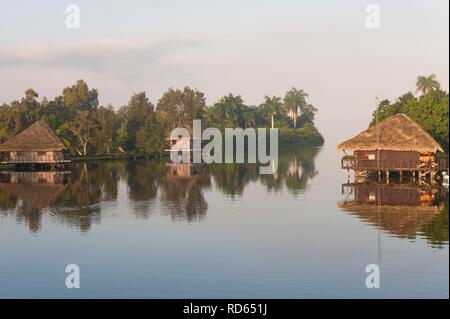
(183, 191)
(182, 170)
(33, 191)
(396, 144)
(37, 144)
(400, 209)
(38, 189)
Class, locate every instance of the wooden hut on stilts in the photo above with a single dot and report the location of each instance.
(397, 144)
(36, 145)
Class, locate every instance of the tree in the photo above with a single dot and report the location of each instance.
(80, 97)
(430, 111)
(182, 107)
(23, 113)
(248, 116)
(82, 127)
(105, 134)
(30, 107)
(386, 109)
(227, 111)
(151, 138)
(272, 107)
(135, 115)
(294, 101)
(308, 112)
(426, 84)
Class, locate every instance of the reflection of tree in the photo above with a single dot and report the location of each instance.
(88, 185)
(30, 216)
(7, 201)
(143, 178)
(232, 178)
(182, 194)
(436, 231)
(295, 169)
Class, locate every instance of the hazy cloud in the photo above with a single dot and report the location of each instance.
(100, 55)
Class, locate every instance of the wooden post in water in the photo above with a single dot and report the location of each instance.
(378, 139)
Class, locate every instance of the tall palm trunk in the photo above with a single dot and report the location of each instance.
(273, 126)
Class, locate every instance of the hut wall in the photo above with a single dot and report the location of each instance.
(36, 157)
(387, 159)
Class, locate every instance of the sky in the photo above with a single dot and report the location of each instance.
(247, 47)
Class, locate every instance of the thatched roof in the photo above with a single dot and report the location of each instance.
(37, 137)
(396, 133)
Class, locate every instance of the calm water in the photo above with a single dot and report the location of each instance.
(141, 229)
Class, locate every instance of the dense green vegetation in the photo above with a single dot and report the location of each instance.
(436, 231)
(140, 127)
(430, 109)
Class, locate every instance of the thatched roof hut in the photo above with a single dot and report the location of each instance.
(39, 137)
(396, 133)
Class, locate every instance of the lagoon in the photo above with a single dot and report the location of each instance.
(139, 229)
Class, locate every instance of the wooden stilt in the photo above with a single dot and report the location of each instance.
(432, 176)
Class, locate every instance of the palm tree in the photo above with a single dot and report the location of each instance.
(293, 101)
(427, 84)
(271, 107)
(247, 115)
(227, 109)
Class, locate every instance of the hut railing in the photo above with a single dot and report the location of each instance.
(389, 164)
(34, 159)
(350, 162)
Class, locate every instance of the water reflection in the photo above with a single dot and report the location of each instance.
(403, 210)
(76, 198)
(28, 193)
(295, 169)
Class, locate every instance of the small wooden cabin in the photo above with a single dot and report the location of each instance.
(181, 148)
(396, 144)
(38, 144)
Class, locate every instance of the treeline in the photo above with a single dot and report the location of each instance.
(430, 109)
(140, 127)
